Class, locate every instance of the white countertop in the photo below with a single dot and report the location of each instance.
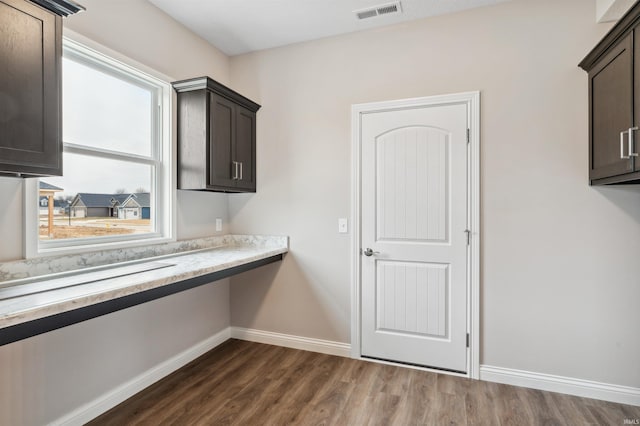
(205, 256)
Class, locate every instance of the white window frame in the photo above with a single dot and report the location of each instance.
(163, 193)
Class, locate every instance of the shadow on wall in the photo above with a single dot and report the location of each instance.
(11, 219)
(238, 201)
(15, 386)
(624, 197)
(280, 298)
(23, 370)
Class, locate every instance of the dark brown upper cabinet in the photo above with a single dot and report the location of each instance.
(30, 80)
(216, 137)
(613, 67)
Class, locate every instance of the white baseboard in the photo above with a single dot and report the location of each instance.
(560, 384)
(109, 400)
(290, 341)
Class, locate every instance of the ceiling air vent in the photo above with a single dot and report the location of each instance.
(383, 9)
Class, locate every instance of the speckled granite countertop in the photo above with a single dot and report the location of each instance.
(173, 262)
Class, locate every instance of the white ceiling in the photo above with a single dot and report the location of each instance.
(241, 26)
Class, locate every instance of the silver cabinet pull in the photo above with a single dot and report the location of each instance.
(632, 142)
(242, 168)
(235, 170)
(622, 156)
(369, 252)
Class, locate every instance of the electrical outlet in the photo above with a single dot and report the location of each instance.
(218, 224)
(343, 227)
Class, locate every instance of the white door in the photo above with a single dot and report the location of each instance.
(415, 221)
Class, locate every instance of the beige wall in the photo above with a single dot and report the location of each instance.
(49, 376)
(559, 269)
(138, 29)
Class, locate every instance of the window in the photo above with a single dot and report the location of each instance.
(117, 188)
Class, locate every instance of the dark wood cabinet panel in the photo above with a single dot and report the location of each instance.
(246, 148)
(30, 55)
(611, 106)
(216, 137)
(222, 119)
(636, 97)
(613, 67)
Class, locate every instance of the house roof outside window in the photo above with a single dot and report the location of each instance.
(87, 199)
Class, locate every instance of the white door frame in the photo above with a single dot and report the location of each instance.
(472, 100)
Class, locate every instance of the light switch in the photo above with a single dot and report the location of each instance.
(343, 227)
(218, 224)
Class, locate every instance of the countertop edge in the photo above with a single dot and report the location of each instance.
(56, 307)
(41, 319)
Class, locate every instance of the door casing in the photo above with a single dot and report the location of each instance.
(472, 100)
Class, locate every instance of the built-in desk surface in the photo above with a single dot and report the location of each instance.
(44, 294)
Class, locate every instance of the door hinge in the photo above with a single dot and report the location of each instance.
(468, 135)
(468, 338)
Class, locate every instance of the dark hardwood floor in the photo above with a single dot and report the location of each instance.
(243, 383)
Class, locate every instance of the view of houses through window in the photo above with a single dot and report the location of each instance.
(88, 214)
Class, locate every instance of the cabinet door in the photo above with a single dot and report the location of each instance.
(245, 149)
(636, 97)
(222, 134)
(30, 52)
(610, 111)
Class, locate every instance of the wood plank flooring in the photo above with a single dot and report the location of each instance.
(243, 383)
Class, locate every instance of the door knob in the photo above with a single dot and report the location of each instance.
(369, 252)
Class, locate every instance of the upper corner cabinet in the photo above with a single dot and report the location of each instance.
(30, 81)
(216, 137)
(613, 68)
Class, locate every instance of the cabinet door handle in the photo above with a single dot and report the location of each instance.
(242, 168)
(235, 170)
(632, 142)
(622, 156)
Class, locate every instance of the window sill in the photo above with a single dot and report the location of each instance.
(46, 250)
(198, 262)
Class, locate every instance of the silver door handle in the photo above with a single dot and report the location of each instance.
(369, 252)
(631, 142)
(242, 169)
(622, 156)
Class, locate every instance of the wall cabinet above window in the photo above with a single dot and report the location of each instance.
(614, 103)
(216, 137)
(30, 74)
